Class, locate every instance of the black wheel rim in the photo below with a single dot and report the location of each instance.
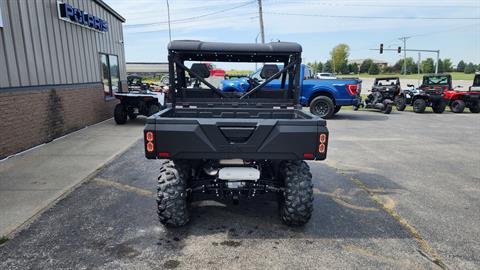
(321, 108)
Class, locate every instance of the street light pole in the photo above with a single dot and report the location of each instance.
(169, 27)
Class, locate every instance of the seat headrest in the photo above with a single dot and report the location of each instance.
(201, 69)
(268, 71)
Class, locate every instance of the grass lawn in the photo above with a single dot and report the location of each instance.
(455, 76)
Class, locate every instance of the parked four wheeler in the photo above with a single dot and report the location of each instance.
(385, 93)
(139, 100)
(458, 100)
(431, 93)
(230, 147)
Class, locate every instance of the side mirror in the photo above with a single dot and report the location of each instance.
(459, 86)
(268, 71)
(201, 69)
(410, 85)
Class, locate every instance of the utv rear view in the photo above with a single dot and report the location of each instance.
(229, 147)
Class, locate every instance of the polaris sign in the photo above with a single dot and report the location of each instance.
(75, 15)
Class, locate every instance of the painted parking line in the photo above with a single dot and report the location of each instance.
(388, 204)
(338, 197)
(123, 187)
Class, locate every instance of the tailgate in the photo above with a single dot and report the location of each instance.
(217, 138)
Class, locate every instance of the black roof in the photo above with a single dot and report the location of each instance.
(387, 78)
(200, 46)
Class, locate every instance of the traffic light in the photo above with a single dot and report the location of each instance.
(381, 48)
(399, 49)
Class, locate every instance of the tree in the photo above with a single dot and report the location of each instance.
(316, 66)
(411, 66)
(374, 69)
(327, 67)
(428, 65)
(339, 56)
(353, 68)
(365, 66)
(461, 66)
(447, 65)
(388, 69)
(344, 68)
(320, 67)
(440, 66)
(470, 68)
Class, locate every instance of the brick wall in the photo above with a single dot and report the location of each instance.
(30, 117)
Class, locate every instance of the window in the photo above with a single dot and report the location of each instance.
(307, 73)
(110, 74)
(1, 20)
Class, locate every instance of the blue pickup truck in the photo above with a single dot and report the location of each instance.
(324, 97)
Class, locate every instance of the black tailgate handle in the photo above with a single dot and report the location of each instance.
(237, 134)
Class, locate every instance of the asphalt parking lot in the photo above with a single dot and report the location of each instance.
(397, 191)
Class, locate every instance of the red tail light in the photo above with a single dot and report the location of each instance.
(352, 89)
(150, 147)
(149, 136)
(321, 148)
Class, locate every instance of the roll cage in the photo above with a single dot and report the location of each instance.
(286, 53)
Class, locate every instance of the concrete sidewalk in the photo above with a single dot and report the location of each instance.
(32, 181)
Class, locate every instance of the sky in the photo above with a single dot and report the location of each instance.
(453, 27)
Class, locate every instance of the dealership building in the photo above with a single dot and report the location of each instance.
(60, 64)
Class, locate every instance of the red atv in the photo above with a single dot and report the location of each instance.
(431, 93)
(458, 100)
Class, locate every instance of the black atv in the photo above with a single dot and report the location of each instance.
(385, 93)
(139, 100)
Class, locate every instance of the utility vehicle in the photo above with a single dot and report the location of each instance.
(231, 147)
(430, 93)
(385, 93)
(139, 100)
(458, 100)
(324, 97)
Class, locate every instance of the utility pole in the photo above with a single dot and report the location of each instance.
(404, 39)
(438, 58)
(260, 14)
(256, 41)
(169, 27)
(418, 63)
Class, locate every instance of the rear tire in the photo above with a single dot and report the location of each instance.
(400, 103)
(475, 108)
(419, 105)
(457, 106)
(153, 109)
(297, 205)
(322, 106)
(439, 108)
(388, 109)
(132, 115)
(120, 114)
(172, 204)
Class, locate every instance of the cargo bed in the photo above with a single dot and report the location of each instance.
(228, 133)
